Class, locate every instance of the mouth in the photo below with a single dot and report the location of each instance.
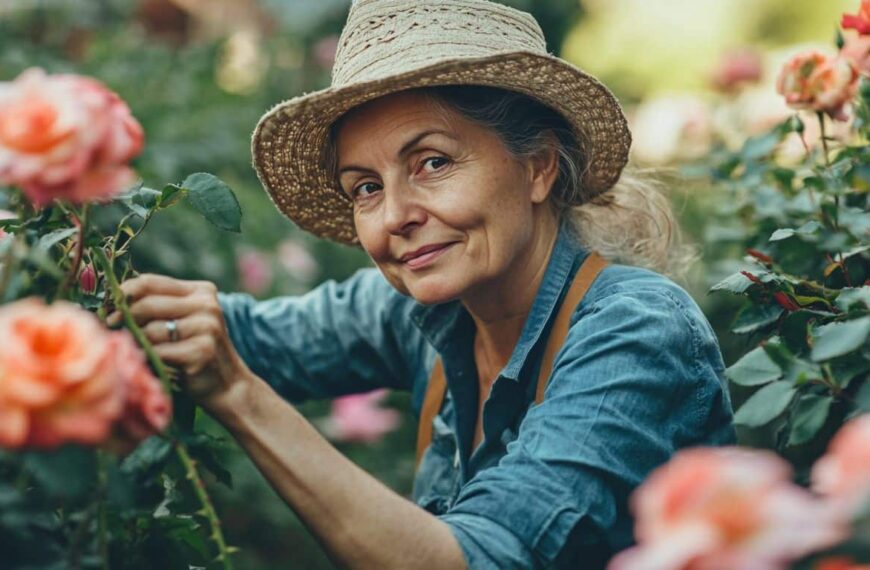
(425, 255)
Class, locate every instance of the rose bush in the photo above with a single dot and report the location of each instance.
(87, 448)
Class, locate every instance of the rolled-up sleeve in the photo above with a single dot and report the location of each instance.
(636, 379)
(340, 338)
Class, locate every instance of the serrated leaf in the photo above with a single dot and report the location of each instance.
(836, 339)
(808, 417)
(765, 405)
(215, 200)
(736, 283)
(754, 369)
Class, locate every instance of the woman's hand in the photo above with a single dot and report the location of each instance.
(213, 370)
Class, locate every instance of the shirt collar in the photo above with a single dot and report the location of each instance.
(441, 324)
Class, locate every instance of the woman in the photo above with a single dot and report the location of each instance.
(479, 174)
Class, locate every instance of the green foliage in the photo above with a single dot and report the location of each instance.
(804, 231)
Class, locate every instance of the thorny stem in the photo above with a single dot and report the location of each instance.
(80, 248)
(207, 506)
(189, 464)
(121, 304)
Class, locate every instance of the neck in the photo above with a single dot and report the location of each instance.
(501, 307)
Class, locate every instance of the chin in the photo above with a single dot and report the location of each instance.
(434, 289)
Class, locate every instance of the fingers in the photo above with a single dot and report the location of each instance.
(187, 327)
(191, 355)
(153, 296)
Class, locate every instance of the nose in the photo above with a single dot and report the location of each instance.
(402, 210)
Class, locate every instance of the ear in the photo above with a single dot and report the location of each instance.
(543, 169)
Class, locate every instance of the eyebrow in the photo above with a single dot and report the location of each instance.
(402, 151)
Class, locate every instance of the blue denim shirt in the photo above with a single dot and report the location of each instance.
(639, 376)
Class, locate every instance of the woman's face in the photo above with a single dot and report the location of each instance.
(440, 205)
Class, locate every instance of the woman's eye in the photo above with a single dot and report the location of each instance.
(365, 189)
(434, 163)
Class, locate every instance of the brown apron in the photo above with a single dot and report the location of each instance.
(592, 266)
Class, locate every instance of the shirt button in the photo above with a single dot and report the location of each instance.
(456, 460)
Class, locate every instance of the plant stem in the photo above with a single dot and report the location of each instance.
(132, 326)
(207, 506)
(189, 464)
(80, 248)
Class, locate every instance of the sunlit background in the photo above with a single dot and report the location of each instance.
(199, 73)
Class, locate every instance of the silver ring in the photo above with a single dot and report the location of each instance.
(172, 327)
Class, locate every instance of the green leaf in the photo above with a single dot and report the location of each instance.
(760, 146)
(754, 317)
(150, 454)
(836, 339)
(808, 417)
(736, 283)
(800, 372)
(68, 472)
(765, 405)
(215, 200)
(853, 296)
(778, 352)
(51, 238)
(808, 228)
(171, 194)
(754, 369)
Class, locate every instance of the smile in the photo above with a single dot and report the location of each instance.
(425, 256)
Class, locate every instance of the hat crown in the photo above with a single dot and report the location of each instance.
(388, 37)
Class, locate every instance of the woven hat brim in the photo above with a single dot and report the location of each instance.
(289, 141)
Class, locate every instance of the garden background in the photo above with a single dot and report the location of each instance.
(198, 74)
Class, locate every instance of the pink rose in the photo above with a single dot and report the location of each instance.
(324, 51)
(358, 418)
(737, 69)
(58, 377)
(147, 408)
(718, 508)
(815, 81)
(857, 50)
(859, 21)
(843, 473)
(255, 271)
(65, 137)
(295, 258)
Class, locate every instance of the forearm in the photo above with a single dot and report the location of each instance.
(360, 522)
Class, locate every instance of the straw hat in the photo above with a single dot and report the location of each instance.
(392, 45)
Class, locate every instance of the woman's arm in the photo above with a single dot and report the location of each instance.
(359, 522)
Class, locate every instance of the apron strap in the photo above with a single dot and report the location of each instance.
(435, 390)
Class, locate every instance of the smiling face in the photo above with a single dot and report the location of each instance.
(442, 207)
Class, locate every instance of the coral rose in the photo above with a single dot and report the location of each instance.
(843, 473)
(718, 508)
(859, 21)
(815, 81)
(65, 137)
(147, 408)
(58, 375)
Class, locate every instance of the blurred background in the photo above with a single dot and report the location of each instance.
(199, 73)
